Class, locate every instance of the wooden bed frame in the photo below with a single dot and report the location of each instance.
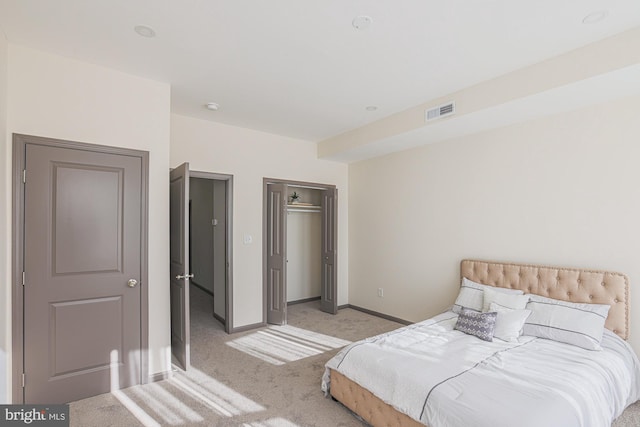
(567, 284)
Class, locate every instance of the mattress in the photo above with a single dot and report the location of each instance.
(439, 376)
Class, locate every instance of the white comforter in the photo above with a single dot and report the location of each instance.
(445, 378)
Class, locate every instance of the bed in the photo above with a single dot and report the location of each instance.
(428, 373)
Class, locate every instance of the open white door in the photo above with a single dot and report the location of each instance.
(179, 259)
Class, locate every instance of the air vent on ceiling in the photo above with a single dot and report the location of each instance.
(440, 111)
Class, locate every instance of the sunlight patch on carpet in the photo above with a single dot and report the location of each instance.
(142, 416)
(166, 405)
(273, 422)
(173, 410)
(281, 344)
(212, 393)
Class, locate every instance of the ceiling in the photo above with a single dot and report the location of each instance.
(299, 68)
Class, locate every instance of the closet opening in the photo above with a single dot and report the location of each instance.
(299, 247)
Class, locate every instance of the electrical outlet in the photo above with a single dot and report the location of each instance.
(380, 292)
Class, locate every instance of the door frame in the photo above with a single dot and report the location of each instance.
(265, 183)
(20, 142)
(228, 304)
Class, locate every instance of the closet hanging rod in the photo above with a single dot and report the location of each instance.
(310, 187)
(306, 186)
(293, 210)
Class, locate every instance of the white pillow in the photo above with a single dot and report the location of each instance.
(471, 295)
(509, 322)
(572, 323)
(512, 301)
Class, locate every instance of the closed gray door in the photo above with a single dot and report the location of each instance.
(179, 260)
(329, 279)
(277, 254)
(82, 265)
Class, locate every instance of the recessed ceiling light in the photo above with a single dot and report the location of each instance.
(595, 17)
(361, 22)
(213, 106)
(145, 31)
(371, 108)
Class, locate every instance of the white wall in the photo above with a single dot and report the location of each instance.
(62, 98)
(250, 156)
(5, 230)
(561, 190)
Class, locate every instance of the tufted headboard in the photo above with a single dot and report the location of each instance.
(567, 284)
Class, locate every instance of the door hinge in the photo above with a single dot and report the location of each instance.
(23, 278)
(23, 379)
(24, 176)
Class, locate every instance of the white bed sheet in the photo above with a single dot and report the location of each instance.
(445, 378)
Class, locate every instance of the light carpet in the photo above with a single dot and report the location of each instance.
(268, 377)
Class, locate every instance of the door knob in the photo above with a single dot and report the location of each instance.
(186, 276)
(132, 283)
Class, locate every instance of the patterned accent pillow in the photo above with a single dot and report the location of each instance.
(480, 325)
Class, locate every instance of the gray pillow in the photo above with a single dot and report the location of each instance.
(480, 325)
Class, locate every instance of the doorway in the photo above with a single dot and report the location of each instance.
(208, 239)
(200, 235)
(299, 254)
(79, 250)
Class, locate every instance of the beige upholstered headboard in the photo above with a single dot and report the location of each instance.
(567, 284)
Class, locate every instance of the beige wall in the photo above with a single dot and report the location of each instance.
(561, 190)
(5, 230)
(61, 98)
(250, 156)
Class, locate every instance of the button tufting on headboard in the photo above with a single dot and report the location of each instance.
(568, 284)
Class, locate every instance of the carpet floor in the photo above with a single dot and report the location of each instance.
(268, 377)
